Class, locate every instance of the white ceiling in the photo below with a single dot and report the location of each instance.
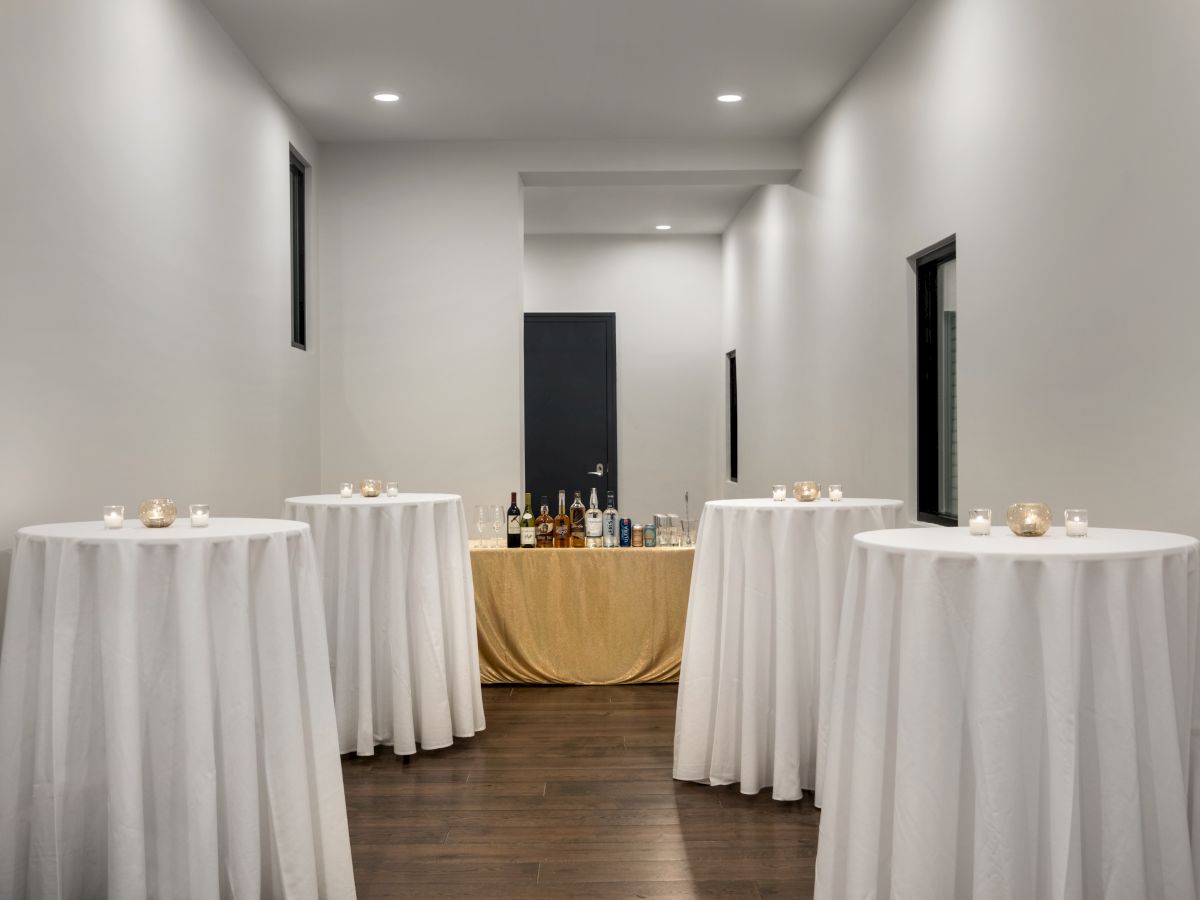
(703, 209)
(556, 69)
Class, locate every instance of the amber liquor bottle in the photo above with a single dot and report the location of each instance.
(545, 526)
(562, 523)
(578, 511)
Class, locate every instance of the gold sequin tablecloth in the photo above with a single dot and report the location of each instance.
(556, 616)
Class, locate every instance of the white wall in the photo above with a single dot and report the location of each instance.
(666, 293)
(1058, 141)
(144, 268)
(421, 279)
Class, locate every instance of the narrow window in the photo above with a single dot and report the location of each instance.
(731, 356)
(299, 319)
(937, 386)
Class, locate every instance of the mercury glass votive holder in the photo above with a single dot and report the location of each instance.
(393, 489)
(1029, 519)
(806, 491)
(835, 492)
(1076, 522)
(979, 521)
(198, 515)
(114, 517)
(369, 487)
(158, 512)
(778, 492)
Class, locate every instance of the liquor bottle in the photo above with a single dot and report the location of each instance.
(611, 535)
(577, 527)
(593, 522)
(545, 526)
(528, 527)
(562, 523)
(514, 522)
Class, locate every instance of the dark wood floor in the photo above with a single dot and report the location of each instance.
(569, 794)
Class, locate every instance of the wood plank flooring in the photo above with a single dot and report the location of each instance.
(568, 794)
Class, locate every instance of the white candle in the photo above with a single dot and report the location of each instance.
(113, 520)
(835, 494)
(347, 490)
(981, 525)
(778, 492)
(1076, 529)
(392, 489)
(199, 519)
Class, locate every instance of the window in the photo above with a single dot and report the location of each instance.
(299, 319)
(937, 386)
(731, 356)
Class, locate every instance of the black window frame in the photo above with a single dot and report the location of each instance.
(929, 438)
(731, 369)
(297, 174)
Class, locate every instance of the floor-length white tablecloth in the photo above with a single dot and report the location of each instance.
(400, 615)
(761, 630)
(1015, 718)
(166, 720)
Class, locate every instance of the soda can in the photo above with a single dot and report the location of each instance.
(626, 532)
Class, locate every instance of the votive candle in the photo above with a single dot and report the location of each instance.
(835, 492)
(980, 521)
(114, 517)
(1077, 522)
(198, 513)
(778, 492)
(393, 489)
(347, 490)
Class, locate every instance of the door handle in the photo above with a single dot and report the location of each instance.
(598, 471)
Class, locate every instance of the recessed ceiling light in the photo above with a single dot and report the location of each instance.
(662, 227)
(387, 97)
(729, 98)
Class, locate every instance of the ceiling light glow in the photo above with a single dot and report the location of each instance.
(387, 97)
(662, 227)
(729, 98)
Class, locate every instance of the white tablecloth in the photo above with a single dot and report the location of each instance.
(166, 722)
(400, 614)
(1015, 718)
(761, 630)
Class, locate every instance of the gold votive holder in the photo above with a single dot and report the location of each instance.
(1029, 519)
(157, 512)
(806, 491)
(370, 487)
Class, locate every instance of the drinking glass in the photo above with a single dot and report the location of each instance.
(483, 521)
(498, 524)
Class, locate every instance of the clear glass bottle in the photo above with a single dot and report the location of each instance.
(611, 522)
(562, 523)
(593, 522)
(528, 526)
(577, 526)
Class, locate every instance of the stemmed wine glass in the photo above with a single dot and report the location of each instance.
(497, 523)
(483, 517)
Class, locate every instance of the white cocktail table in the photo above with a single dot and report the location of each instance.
(1015, 717)
(758, 649)
(400, 615)
(166, 720)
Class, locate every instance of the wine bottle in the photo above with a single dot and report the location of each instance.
(562, 523)
(514, 522)
(545, 526)
(528, 526)
(611, 518)
(577, 526)
(593, 522)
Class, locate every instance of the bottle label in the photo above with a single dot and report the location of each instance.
(514, 524)
(593, 527)
(528, 537)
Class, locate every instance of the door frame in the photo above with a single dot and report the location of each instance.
(609, 320)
